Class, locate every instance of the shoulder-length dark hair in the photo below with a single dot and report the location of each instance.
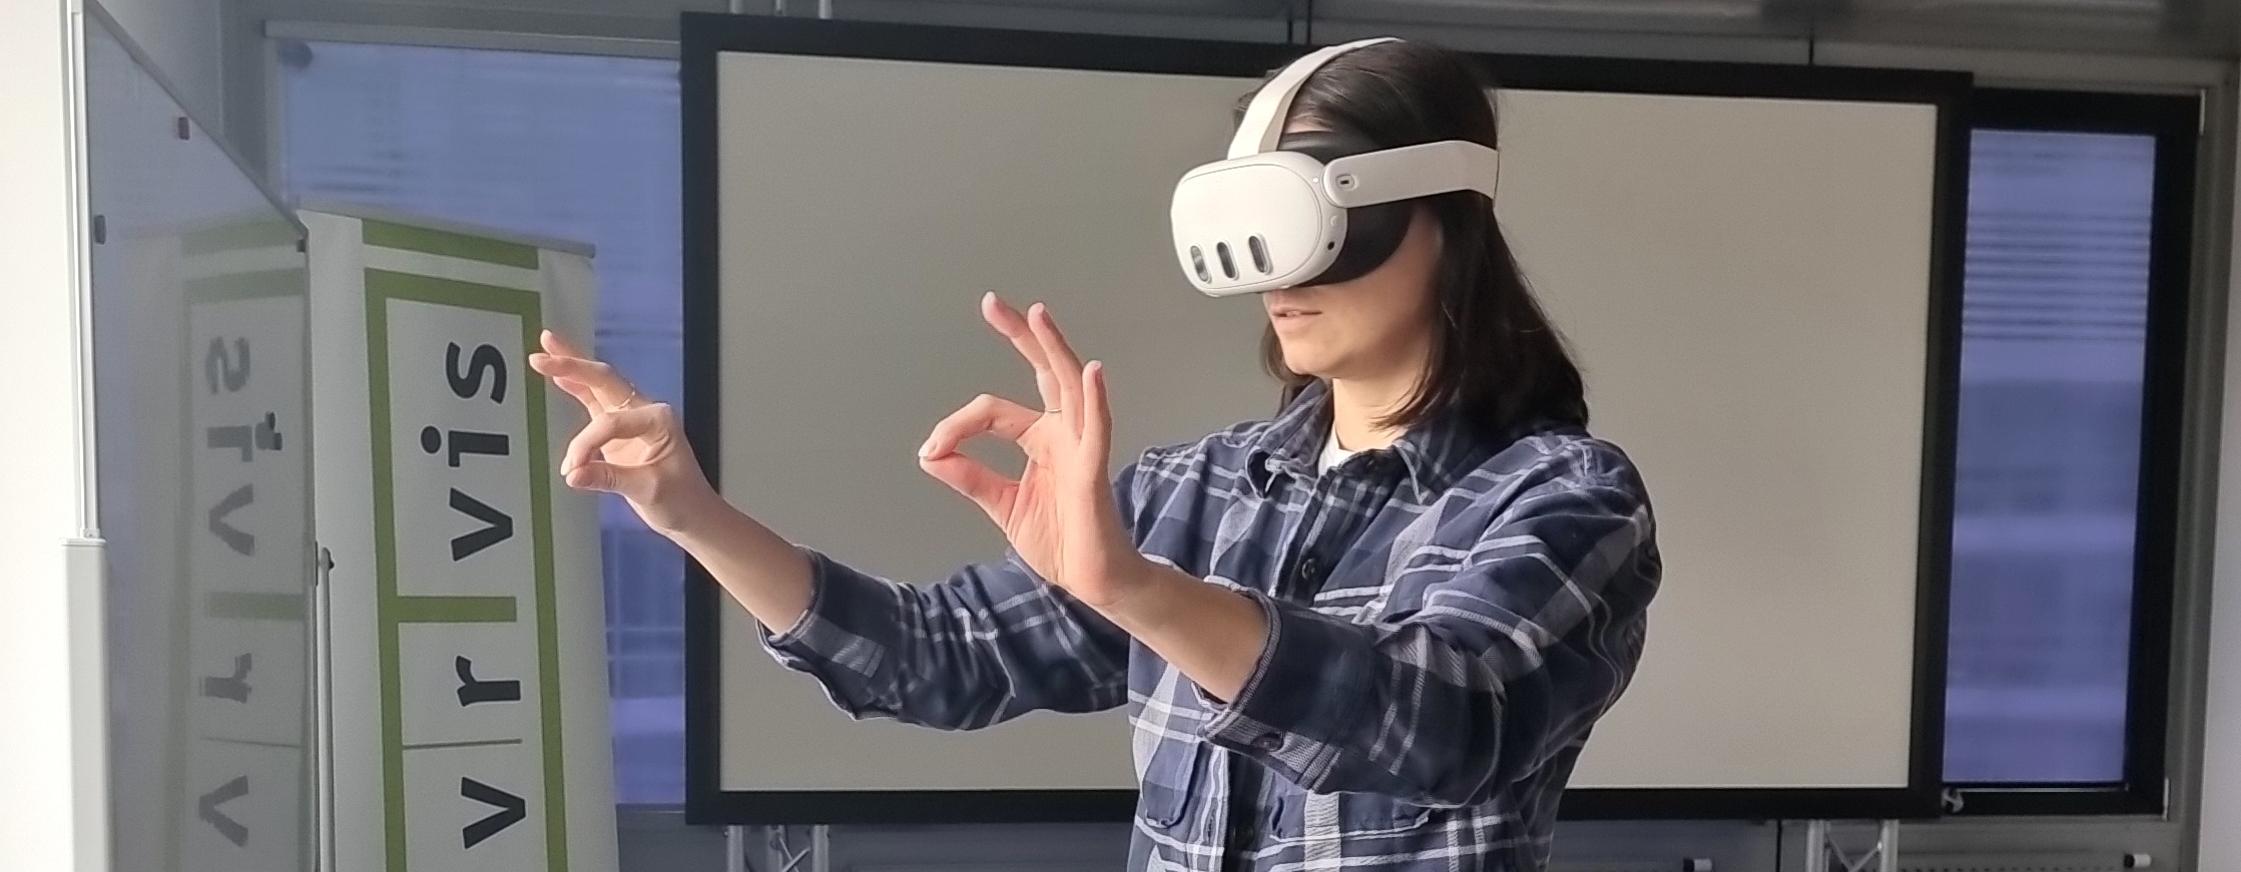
(1496, 361)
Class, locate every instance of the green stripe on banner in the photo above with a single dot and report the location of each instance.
(267, 285)
(385, 576)
(446, 746)
(236, 237)
(459, 295)
(242, 606)
(541, 498)
(548, 616)
(453, 610)
(253, 743)
(382, 286)
(382, 234)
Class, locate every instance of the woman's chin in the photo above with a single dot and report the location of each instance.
(1311, 365)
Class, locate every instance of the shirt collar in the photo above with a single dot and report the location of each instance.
(1436, 452)
(1291, 440)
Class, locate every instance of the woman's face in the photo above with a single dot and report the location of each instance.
(1375, 326)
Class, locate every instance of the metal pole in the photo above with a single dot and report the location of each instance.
(735, 849)
(1817, 846)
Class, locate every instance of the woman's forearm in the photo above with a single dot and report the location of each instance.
(761, 571)
(1211, 634)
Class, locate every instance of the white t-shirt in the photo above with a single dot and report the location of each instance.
(1332, 454)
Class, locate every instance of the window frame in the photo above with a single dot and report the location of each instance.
(2175, 122)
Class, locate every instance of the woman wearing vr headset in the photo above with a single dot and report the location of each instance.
(1372, 632)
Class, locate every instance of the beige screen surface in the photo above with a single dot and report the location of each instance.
(1744, 281)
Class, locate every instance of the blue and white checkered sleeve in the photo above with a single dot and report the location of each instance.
(990, 643)
(1525, 638)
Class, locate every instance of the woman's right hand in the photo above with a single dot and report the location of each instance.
(632, 447)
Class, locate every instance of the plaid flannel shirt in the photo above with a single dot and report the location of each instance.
(1448, 618)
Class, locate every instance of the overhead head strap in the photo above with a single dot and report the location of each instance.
(1265, 116)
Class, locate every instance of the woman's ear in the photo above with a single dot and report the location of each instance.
(1425, 239)
(1425, 220)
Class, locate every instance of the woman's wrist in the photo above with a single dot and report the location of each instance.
(1215, 636)
(1144, 595)
(692, 514)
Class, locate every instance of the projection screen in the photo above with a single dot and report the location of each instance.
(1756, 286)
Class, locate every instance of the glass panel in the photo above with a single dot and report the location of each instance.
(202, 427)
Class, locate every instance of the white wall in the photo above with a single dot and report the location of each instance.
(181, 38)
(52, 801)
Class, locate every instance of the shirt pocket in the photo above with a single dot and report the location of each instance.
(1347, 815)
(1166, 749)
(1166, 781)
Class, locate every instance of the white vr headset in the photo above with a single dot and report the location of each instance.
(1309, 208)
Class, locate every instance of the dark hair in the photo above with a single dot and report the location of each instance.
(1495, 359)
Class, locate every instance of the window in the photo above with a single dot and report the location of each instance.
(571, 147)
(2075, 270)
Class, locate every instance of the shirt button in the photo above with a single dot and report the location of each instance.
(1269, 742)
(1310, 567)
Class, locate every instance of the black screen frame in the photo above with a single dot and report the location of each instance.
(706, 36)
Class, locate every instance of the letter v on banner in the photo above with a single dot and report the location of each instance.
(469, 692)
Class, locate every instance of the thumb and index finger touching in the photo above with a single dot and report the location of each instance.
(592, 382)
(603, 393)
(986, 487)
(1075, 393)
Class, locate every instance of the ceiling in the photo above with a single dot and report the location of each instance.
(2166, 28)
(2171, 28)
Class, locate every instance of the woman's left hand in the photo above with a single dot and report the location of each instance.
(1059, 515)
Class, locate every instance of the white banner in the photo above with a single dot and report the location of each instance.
(467, 649)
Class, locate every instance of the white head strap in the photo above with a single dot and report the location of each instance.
(1264, 119)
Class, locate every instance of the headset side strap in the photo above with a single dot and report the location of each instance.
(1412, 171)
